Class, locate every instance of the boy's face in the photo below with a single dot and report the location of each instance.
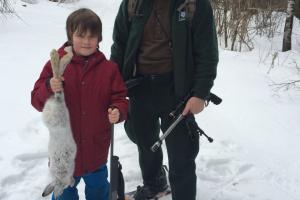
(84, 44)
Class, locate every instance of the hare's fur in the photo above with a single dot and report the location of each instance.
(62, 147)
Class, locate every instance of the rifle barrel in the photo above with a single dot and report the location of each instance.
(168, 131)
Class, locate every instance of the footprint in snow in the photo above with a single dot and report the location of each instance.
(31, 156)
(13, 179)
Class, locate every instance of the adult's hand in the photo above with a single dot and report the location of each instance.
(194, 105)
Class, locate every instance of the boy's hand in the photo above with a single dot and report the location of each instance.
(194, 105)
(113, 115)
(56, 84)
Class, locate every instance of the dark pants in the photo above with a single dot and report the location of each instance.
(152, 100)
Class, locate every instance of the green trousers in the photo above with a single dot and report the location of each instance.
(149, 109)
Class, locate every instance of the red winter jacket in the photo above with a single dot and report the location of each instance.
(91, 86)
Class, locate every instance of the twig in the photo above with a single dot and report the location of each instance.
(287, 85)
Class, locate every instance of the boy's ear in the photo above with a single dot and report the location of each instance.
(100, 39)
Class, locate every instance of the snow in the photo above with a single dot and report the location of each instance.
(256, 128)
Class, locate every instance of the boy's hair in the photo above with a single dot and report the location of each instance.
(83, 20)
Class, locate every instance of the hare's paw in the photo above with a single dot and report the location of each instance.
(49, 189)
(72, 182)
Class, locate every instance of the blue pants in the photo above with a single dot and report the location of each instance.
(96, 186)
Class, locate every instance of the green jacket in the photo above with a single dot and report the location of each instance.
(195, 47)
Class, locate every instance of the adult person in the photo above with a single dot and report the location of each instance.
(172, 44)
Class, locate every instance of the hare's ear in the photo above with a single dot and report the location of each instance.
(54, 59)
(65, 59)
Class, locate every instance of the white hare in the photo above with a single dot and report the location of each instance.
(62, 147)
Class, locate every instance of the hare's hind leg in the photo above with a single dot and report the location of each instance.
(49, 189)
(58, 189)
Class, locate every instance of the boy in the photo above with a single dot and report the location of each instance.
(95, 95)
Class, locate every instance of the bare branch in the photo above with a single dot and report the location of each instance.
(286, 85)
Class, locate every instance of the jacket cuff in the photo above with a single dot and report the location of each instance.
(45, 91)
(48, 84)
(200, 94)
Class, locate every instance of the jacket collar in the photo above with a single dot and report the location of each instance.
(93, 59)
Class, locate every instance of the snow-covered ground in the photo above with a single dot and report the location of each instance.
(256, 129)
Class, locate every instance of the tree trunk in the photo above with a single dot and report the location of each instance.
(225, 24)
(287, 37)
(296, 10)
(234, 36)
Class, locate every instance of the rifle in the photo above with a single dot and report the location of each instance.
(189, 120)
(131, 83)
(116, 189)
